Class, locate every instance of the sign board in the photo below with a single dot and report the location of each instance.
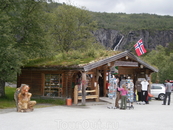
(114, 69)
(126, 63)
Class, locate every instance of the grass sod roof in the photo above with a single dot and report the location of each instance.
(71, 59)
(85, 62)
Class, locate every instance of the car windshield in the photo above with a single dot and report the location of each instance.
(157, 87)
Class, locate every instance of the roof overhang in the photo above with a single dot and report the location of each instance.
(116, 57)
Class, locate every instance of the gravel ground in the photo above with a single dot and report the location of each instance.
(93, 116)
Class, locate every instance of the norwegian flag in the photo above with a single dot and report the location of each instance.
(139, 48)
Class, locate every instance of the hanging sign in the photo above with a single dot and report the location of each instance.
(126, 63)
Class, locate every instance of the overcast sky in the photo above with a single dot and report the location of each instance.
(160, 7)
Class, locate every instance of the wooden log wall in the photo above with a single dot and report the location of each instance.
(36, 80)
(33, 79)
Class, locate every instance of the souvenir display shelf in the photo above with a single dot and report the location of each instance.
(52, 86)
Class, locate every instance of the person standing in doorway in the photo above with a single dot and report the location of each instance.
(138, 86)
(168, 88)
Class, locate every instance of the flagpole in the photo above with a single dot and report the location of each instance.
(130, 48)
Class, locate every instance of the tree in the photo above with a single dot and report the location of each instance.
(9, 58)
(22, 36)
(164, 61)
(72, 28)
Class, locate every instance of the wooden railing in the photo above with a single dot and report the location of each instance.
(90, 96)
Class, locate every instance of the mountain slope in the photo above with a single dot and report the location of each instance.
(153, 29)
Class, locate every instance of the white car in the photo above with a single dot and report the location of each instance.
(158, 91)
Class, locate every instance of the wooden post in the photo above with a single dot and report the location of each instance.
(97, 93)
(104, 81)
(150, 83)
(76, 94)
(83, 88)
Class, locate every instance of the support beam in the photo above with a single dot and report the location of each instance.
(104, 80)
(83, 88)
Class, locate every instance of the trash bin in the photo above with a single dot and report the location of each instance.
(68, 101)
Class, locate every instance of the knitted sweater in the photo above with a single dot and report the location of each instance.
(123, 91)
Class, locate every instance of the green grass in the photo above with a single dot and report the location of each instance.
(8, 100)
(72, 58)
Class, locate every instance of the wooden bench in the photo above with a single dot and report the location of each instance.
(91, 96)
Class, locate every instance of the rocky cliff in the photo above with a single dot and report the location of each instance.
(113, 39)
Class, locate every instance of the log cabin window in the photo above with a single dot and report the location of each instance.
(53, 85)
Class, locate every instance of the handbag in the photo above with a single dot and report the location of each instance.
(150, 95)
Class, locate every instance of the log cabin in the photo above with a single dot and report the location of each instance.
(56, 81)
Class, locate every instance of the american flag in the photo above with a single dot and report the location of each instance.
(139, 48)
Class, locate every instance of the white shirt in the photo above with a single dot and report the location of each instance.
(144, 85)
